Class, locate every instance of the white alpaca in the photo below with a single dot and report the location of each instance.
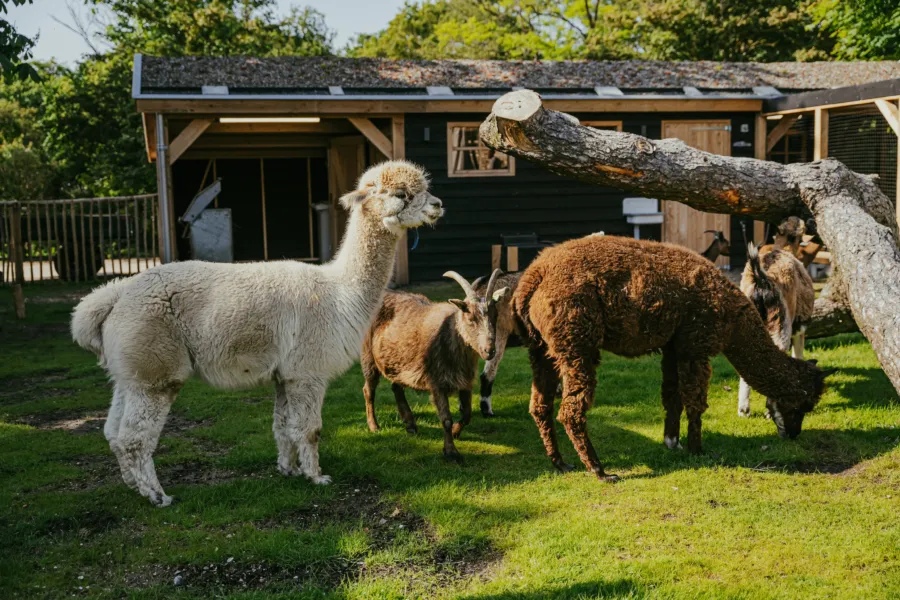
(239, 325)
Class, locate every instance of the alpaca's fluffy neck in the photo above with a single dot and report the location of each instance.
(767, 369)
(365, 260)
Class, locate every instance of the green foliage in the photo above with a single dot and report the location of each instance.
(15, 48)
(24, 172)
(862, 29)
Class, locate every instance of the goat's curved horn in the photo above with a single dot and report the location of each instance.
(713, 231)
(466, 286)
(489, 290)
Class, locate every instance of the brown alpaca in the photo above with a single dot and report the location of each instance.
(632, 298)
(431, 347)
(782, 291)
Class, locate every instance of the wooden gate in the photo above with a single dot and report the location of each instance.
(683, 225)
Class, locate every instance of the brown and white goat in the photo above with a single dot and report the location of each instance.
(789, 236)
(505, 338)
(719, 246)
(782, 291)
(431, 347)
(631, 298)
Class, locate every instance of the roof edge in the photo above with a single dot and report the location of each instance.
(853, 94)
(137, 65)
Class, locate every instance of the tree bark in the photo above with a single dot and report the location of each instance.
(853, 217)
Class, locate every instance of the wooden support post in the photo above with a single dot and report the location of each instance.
(760, 151)
(512, 259)
(374, 135)
(18, 255)
(398, 151)
(820, 127)
(891, 114)
(496, 255)
(784, 125)
(187, 137)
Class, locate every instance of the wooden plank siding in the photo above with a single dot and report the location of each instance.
(480, 209)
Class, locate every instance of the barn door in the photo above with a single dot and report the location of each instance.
(683, 225)
(346, 162)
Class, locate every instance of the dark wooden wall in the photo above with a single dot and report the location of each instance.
(480, 209)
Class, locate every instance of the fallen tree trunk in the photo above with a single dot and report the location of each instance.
(854, 218)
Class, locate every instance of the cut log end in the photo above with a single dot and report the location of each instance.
(518, 106)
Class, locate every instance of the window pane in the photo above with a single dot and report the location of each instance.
(472, 156)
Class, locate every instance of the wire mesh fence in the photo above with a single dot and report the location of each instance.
(77, 240)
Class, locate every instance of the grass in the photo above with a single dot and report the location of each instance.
(755, 517)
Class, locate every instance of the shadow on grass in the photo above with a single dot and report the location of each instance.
(619, 588)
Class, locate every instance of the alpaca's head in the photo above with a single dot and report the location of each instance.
(477, 321)
(396, 194)
(788, 412)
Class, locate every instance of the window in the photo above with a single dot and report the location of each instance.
(790, 149)
(467, 156)
(606, 125)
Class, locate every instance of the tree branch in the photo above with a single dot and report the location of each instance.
(853, 216)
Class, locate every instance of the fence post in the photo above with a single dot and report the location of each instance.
(18, 256)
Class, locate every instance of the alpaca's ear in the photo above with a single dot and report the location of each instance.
(349, 199)
(460, 304)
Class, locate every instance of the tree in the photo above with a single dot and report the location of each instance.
(854, 218)
(15, 48)
(862, 29)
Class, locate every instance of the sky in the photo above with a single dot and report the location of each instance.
(347, 17)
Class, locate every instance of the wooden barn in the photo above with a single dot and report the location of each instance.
(287, 136)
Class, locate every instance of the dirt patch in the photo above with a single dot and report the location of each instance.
(28, 387)
(362, 502)
(77, 422)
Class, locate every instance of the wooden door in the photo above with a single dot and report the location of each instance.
(683, 225)
(346, 162)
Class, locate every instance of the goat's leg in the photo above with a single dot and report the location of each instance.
(743, 399)
(465, 411)
(544, 382)
(305, 396)
(144, 414)
(442, 404)
(693, 384)
(578, 396)
(372, 375)
(111, 432)
(671, 400)
(406, 413)
(490, 373)
(797, 342)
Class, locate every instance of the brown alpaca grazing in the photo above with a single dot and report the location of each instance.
(631, 298)
(431, 347)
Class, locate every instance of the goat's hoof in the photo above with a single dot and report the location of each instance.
(608, 477)
(453, 457)
(321, 479)
(672, 443)
(487, 415)
(562, 466)
(486, 410)
(412, 429)
(744, 412)
(374, 428)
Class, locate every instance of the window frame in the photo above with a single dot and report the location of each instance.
(510, 171)
(593, 123)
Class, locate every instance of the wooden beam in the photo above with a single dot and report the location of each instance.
(149, 122)
(891, 114)
(326, 126)
(209, 153)
(367, 108)
(398, 149)
(374, 135)
(779, 131)
(268, 140)
(820, 128)
(794, 111)
(187, 137)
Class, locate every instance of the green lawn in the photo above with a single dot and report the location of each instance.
(755, 517)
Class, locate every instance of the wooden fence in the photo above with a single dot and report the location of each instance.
(87, 239)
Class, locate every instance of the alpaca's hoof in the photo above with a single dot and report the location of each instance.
(160, 500)
(672, 443)
(289, 471)
(562, 466)
(321, 479)
(453, 456)
(608, 477)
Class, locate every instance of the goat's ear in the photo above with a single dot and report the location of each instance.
(350, 199)
(500, 294)
(460, 304)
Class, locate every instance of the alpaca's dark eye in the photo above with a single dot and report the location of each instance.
(403, 195)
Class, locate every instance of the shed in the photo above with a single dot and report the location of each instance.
(287, 133)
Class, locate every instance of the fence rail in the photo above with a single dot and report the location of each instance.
(85, 239)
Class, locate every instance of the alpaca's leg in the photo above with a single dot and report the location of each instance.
(744, 399)
(693, 383)
(798, 341)
(543, 388)
(142, 421)
(406, 413)
(372, 376)
(442, 404)
(281, 421)
(304, 425)
(490, 373)
(465, 411)
(111, 432)
(578, 396)
(671, 400)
